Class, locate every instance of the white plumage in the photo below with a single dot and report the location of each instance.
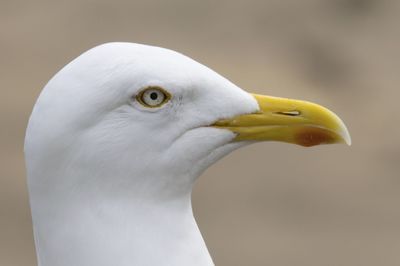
(110, 179)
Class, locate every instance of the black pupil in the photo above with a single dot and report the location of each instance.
(153, 96)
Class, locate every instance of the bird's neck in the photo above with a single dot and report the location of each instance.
(86, 226)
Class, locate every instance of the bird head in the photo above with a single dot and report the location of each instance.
(155, 116)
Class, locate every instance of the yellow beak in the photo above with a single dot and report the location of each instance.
(292, 121)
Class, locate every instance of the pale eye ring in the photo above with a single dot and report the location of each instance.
(153, 97)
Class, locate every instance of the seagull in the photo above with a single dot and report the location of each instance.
(117, 139)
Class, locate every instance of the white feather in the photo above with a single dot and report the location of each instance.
(109, 180)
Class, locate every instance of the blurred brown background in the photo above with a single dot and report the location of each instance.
(267, 204)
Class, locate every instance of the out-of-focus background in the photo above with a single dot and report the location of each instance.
(267, 204)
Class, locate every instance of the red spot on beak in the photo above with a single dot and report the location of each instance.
(311, 136)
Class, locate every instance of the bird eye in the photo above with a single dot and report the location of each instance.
(153, 97)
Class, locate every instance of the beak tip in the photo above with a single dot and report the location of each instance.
(345, 134)
(347, 138)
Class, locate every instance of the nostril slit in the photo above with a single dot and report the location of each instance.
(290, 113)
